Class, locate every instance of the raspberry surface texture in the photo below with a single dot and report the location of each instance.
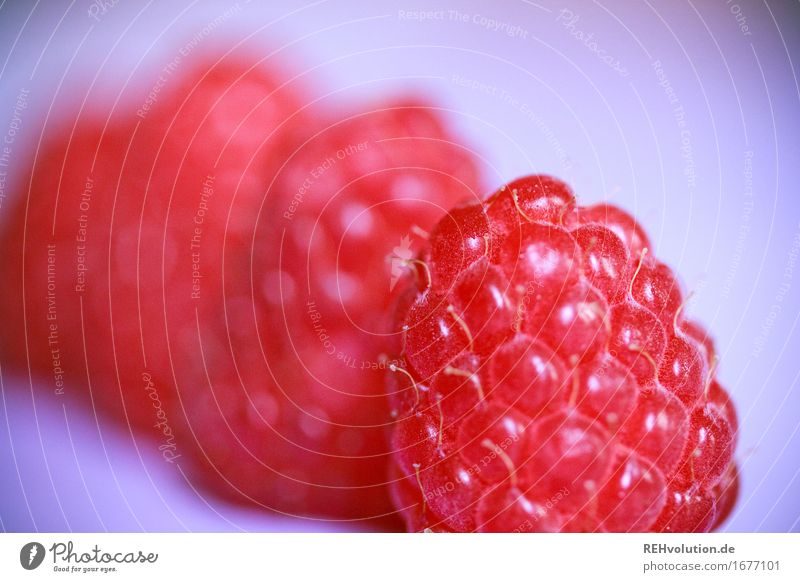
(292, 414)
(547, 379)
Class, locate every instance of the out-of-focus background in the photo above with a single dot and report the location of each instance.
(686, 113)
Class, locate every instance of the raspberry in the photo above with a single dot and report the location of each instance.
(124, 224)
(726, 492)
(56, 279)
(551, 382)
(292, 413)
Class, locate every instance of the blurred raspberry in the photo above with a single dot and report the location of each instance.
(292, 414)
(118, 236)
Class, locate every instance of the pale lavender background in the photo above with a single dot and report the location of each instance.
(610, 136)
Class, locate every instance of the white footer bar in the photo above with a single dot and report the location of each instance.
(401, 557)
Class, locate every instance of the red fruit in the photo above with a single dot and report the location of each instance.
(459, 388)
(507, 509)
(481, 302)
(540, 257)
(654, 287)
(621, 223)
(637, 340)
(433, 484)
(541, 198)
(576, 324)
(526, 373)
(567, 452)
(457, 241)
(568, 376)
(302, 426)
(404, 493)
(657, 428)
(726, 492)
(450, 491)
(705, 344)
(489, 439)
(535, 198)
(633, 495)
(687, 509)
(529, 199)
(606, 259)
(683, 371)
(709, 448)
(604, 389)
(48, 302)
(717, 396)
(131, 211)
(434, 335)
(419, 440)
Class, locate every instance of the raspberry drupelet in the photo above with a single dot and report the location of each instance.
(549, 380)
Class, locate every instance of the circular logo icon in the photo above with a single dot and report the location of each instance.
(31, 555)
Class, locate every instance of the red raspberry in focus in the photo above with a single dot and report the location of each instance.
(292, 414)
(548, 381)
(119, 238)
